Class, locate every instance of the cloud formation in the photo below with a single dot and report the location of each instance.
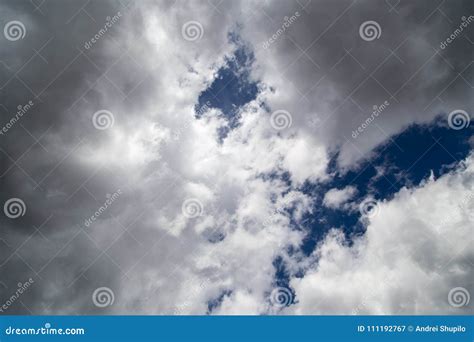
(199, 221)
(416, 249)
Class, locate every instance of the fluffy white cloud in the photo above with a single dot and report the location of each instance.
(156, 258)
(335, 197)
(414, 252)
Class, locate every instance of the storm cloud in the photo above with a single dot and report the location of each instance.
(122, 186)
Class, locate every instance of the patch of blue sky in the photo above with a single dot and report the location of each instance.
(405, 160)
(216, 302)
(232, 87)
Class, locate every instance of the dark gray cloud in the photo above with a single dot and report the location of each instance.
(337, 77)
(142, 70)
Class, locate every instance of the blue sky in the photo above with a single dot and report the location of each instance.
(197, 157)
(407, 159)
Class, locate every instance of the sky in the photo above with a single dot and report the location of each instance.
(236, 157)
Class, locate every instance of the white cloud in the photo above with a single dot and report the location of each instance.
(335, 197)
(407, 261)
(167, 261)
(332, 81)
